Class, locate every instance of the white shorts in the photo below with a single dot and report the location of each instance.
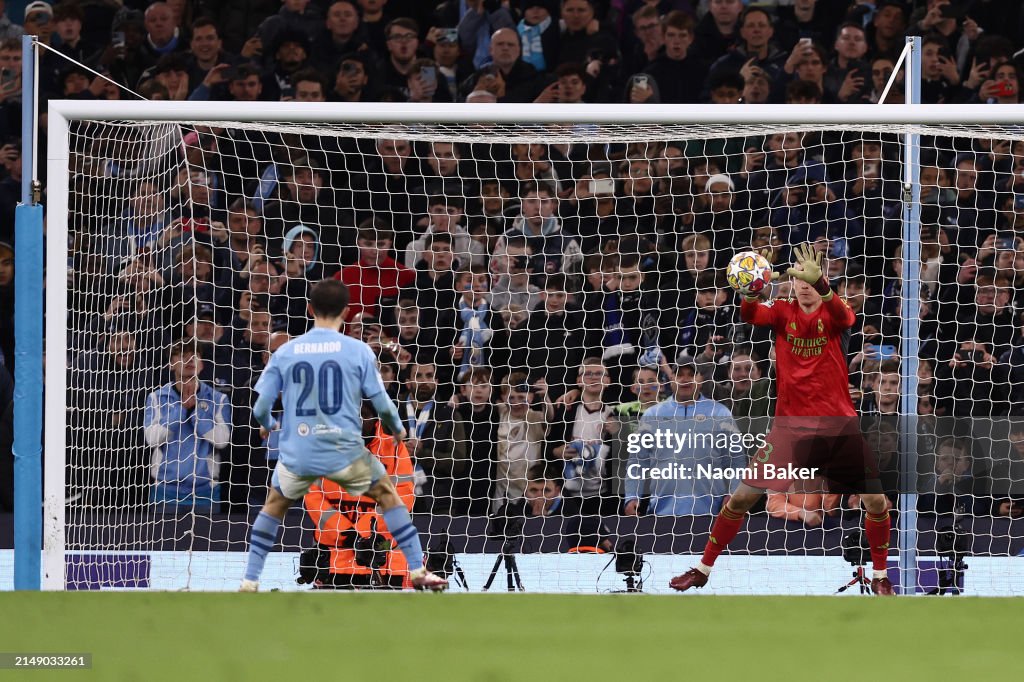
(356, 478)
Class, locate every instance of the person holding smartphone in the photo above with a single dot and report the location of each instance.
(421, 83)
(849, 76)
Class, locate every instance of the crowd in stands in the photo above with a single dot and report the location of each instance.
(528, 302)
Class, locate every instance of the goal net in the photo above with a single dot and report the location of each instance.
(531, 291)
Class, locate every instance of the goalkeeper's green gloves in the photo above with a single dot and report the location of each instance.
(809, 266)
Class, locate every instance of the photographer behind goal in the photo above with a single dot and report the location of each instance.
(354, 548)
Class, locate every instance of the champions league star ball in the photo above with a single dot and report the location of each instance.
(748, 272)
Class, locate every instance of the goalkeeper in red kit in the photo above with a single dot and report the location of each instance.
(815, 424)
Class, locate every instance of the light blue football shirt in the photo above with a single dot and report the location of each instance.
(323, 377)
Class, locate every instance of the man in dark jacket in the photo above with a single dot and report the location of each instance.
(678, 73)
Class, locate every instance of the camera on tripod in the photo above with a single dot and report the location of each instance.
(506, 525)
(630, 564)
(857, 553)
(952, 544)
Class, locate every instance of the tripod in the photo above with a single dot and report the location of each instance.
(508, 557)
(950, 577)
(859, 578)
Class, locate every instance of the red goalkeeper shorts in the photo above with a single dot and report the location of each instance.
(815, 454)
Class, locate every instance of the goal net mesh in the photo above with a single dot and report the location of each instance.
(529, 291)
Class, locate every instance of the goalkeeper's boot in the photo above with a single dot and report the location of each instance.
(422, 579)
(249, 586)
(882, 587)
(692, 578)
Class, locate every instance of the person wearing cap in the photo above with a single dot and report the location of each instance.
(297, 16)
(721, 219)
(39, 20)
(706, 421)
(124, 59)
(888, 28)
(452, 64)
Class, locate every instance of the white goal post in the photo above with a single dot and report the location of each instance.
(550, 124)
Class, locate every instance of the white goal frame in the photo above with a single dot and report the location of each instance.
(62, 112)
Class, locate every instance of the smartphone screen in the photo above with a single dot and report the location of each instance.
(429, 75)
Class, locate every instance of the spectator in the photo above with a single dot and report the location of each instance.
(437, 441)
(678, 72)
(968, 217)
(577, 438)
(474, 320)
(451, 65)
(889, 26)
(476, 24)
(556, 334)
(809, 506)
(755, 49)
(375, 23)
(302, 197)
(951, 487)
(848, 76)
(186, 422)
(520, 77)
(476, 406)
(351, 84)
(539, 35)
(434, 293)
(712, 323)
(544, 491)
(295, 16)
(646, 388)
(553, 250)
(682, 496)
(206, 50)
(521, 431)
(376, 276)
(648, 38)
(940, 78)
(341, 35)
(583, 41)
(718, 31)
(8, 29)
(1007, 474)
(971, 382)
(403, 42)
(746, 393)
(308, 86)
(161, 33)
(513, 266)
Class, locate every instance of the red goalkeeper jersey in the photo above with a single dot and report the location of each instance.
(810, 355)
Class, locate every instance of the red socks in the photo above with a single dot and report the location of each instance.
(877, 529)
(727, 525)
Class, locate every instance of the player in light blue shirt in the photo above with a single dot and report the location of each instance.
(322, 378)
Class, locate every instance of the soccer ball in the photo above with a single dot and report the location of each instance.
(748, 272)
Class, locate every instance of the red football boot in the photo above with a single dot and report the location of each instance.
(882, 587)
(692, 578)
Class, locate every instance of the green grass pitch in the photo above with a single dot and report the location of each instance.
(427, 637)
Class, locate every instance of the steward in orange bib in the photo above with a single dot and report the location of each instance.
(354, 548)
